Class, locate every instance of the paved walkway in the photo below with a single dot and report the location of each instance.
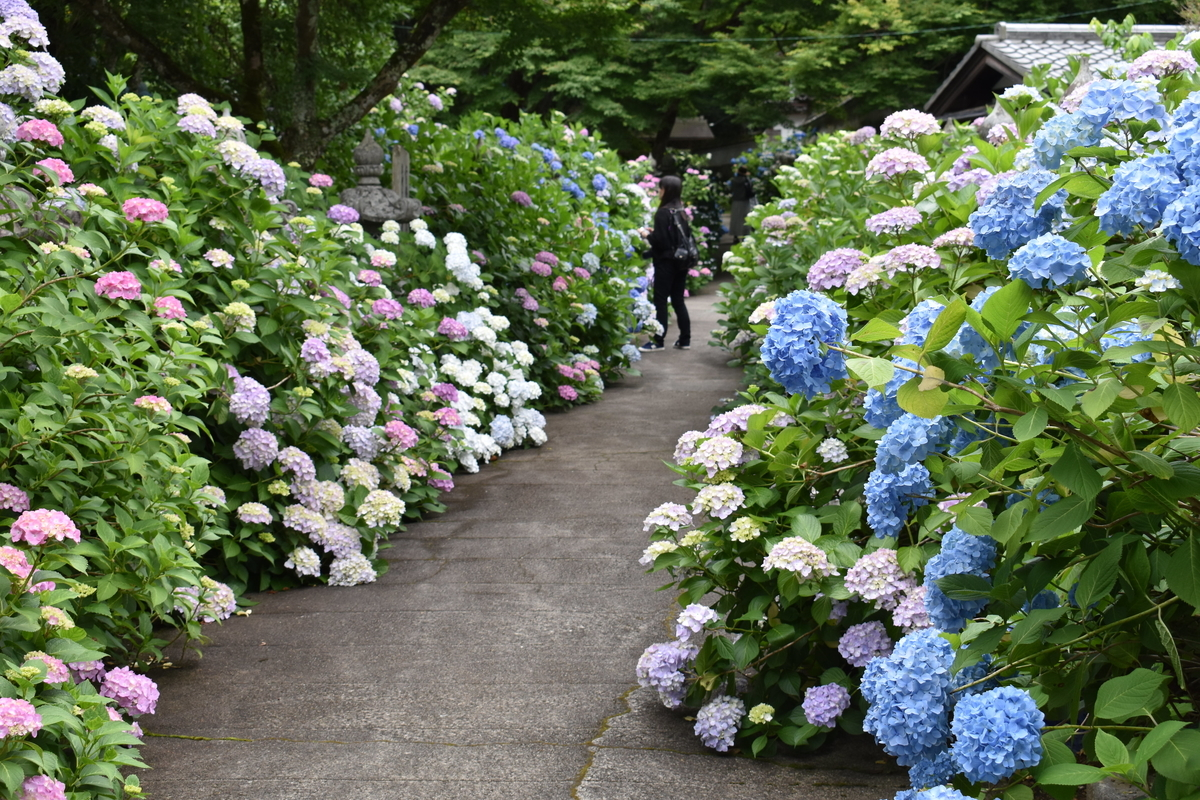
(495, 659)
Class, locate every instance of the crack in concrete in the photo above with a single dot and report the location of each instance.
(592, 744)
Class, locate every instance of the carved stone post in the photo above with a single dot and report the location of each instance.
(374, 203)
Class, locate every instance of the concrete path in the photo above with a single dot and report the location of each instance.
(495, 659)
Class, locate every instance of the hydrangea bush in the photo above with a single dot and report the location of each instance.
(214, 380)
(957, 498)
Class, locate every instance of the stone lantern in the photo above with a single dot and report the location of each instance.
(375, 203)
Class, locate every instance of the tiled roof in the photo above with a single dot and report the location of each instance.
(1016, 48)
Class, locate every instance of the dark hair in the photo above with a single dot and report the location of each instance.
(743, 171)
(672, 187)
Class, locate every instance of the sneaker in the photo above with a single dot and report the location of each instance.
(651, 347)
(681, 346)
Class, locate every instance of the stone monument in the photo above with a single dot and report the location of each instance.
(374, 202)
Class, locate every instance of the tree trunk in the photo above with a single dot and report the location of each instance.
(254, 68)
(304, 91)
(663, 135)
(305, 143)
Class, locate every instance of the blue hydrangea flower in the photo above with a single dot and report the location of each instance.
(599, 182)
(1045, 599)
(909, 440)
(1050, 261)
(962, 554)
(908, 693)
(968, 341)
(997, 733)
(587, 155)
(1008, 219)
(1187, 111)
(1108, 100)
(891, 496)
(503, 432)
(1140, 192)
(1060, 134)
(968, 675)
(881, 407)
(933, 771)
(413, 129)
(940, 793)
(572, 188)
(1181, 224)
(915, 327)
(794, 349)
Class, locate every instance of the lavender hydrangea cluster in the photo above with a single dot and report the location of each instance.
(896, 161)
(878, 579)
(256, 448)
(692, 621)
(830, 270)
(796, 349)
(351, 570)
(305, 561)
(668, 515)
(908, 124)
(863, 642)
(824, 704)
(717, 722)
(961, 554)
(996, 733)
(297, 462)
(894, 220)
(717, 453)
(719, 500)
(908, 693)
(135, 693)
(1050, 261)
(661, 668)
(1009, 217)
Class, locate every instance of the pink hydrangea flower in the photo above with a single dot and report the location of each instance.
(58, 167)
(387, 308)
(44, 586)
(582, 273)
(369, 277)
(144, 209)
(171, 265)
(42, 787)
(447, 416)
(35, 527)
(540, 268)
(119, 286)
(169, 308)
(18, 718)
(560, 284)
(568, 393)
(15, 561)
(541, 322)
(87, 670)
(400, 434)
(40, 130)
(521, 198)
(383, 258)
(137, 694)
(452, 328)
(546, 257)
(320, 180)
(154, 403)
(12, 498)
(422, 297)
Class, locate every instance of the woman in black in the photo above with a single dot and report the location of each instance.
(670, 275)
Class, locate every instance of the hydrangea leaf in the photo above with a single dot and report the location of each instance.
(1182, 406)
(1179, 759)
(1183, 572)
(1130, 695)
(875, 372)
(1100, 575)
(946, 325)
(1096, 401)
(1110, 750)
(877, 330)
(926, 405)
(1004, 309)
(1063, 517)
(1157, 739)
(1031, 425)
(1075, 472)
(1071, 775)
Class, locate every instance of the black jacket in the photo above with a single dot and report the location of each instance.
(663, 239)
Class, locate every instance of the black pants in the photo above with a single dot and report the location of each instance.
(670, 282)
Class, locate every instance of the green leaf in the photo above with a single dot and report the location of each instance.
(1031, 425)
(926, 405)
(1168, 643)
(875, 372)
(975, 521)
(965, 587)
(1179, 758)
(795, 736)
(1064, 516)
(11, 776)
(1018, 792)
(1182, 406)
(745, 650)
(877, 330)
(1096, 401)
(946, 325)
(1156, 466)
(1183, 571)
(1004, 309)
(1110, 750)
(1086, 185)
(1156, 739)
(1128, 695)
(806, 526)
(1100, 575)
(1070, 775)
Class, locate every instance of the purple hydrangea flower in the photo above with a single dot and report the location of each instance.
(256, 448)
(198, 125)
(861, 643)
(896, 161)
(824, 704)
(250, 402)
(661, 668)
(717, 722)
(362, 440)
(341, 214)
(895, 220)
(798, 555)
(254, 514)
(830, 270)
(13, 499)
(271, 176)
(297, 462)
(692, 620)
(878, 579)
